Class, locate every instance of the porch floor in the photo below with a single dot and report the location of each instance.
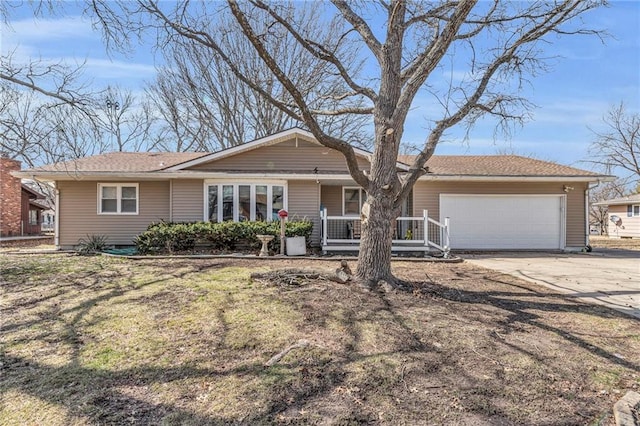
(336, 247)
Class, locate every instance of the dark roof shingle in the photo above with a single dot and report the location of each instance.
(441, 165)
(495, 165)
(130, 162)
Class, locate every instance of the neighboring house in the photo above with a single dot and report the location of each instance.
(624, 216)
(48, 220)
(33, 206)
(21, 207)
(492, 202)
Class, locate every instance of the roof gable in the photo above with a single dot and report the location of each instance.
(277, 138)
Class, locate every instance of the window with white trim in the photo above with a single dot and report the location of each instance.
(633, 210)
(240, 202)
(117, 198)
(352, 200)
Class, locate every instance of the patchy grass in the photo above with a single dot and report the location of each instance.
(597, 241)
(45, 243)
(102, 340)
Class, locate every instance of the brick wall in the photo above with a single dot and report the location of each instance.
(10, 198)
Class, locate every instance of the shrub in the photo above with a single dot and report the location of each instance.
(92, 244)
(167, 237)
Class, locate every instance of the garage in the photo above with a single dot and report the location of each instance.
(492, 221)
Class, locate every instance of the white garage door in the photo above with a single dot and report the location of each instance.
(504, 221)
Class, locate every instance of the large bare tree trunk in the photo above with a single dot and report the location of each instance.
(381, 206)
(374, 259)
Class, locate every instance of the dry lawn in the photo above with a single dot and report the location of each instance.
(102, 340)
(614, 243)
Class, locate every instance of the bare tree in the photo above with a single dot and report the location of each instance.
(617, 148)
(123, 120)
(39, 99)
(60, 83)
(74, 136)
(498, 43)
(203, 101)
(19, 131)
(180, 128)
(36, 132)
(605, 191)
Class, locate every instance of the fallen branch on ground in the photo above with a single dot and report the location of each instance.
(298, 277)
(276, 358)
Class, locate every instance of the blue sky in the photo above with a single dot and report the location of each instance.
(585, 80)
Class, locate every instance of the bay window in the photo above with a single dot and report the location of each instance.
(240, 202)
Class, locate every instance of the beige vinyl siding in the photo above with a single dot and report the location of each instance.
(426, 195)
(284, 157)
(79, 212)
(576, 221)
(304, 202)
(630, 226)
(188, 200)
(332, 199)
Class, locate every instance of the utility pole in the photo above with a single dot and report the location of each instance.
(112, 108)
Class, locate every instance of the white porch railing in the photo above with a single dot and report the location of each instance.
(47, 227)
(412, 233)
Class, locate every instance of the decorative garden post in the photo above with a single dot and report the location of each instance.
(282, 214)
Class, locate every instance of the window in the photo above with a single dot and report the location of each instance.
(633, 210)
(121, 198)
(244, 201)
(33, 217)
(352, 201)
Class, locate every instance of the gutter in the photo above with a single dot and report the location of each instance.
(142, 176)
(154, 176)
(56, 232)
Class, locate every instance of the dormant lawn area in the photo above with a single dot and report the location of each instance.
(615, 243)
(102, 340)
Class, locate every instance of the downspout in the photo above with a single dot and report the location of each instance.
(170, 200)
(56, 218)
(587, 233)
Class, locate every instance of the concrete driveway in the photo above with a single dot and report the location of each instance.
(606, 276)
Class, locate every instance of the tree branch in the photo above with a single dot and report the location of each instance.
(326, 140)
(361, 27)
(550, 21)
(319, 51)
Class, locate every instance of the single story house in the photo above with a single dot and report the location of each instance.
(486, 202)
(624, 216)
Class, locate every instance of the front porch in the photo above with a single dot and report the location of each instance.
(411, 234)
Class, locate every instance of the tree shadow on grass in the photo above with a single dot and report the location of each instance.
(323, 377)
(84, 391)
(101, 394)
(523, 308)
